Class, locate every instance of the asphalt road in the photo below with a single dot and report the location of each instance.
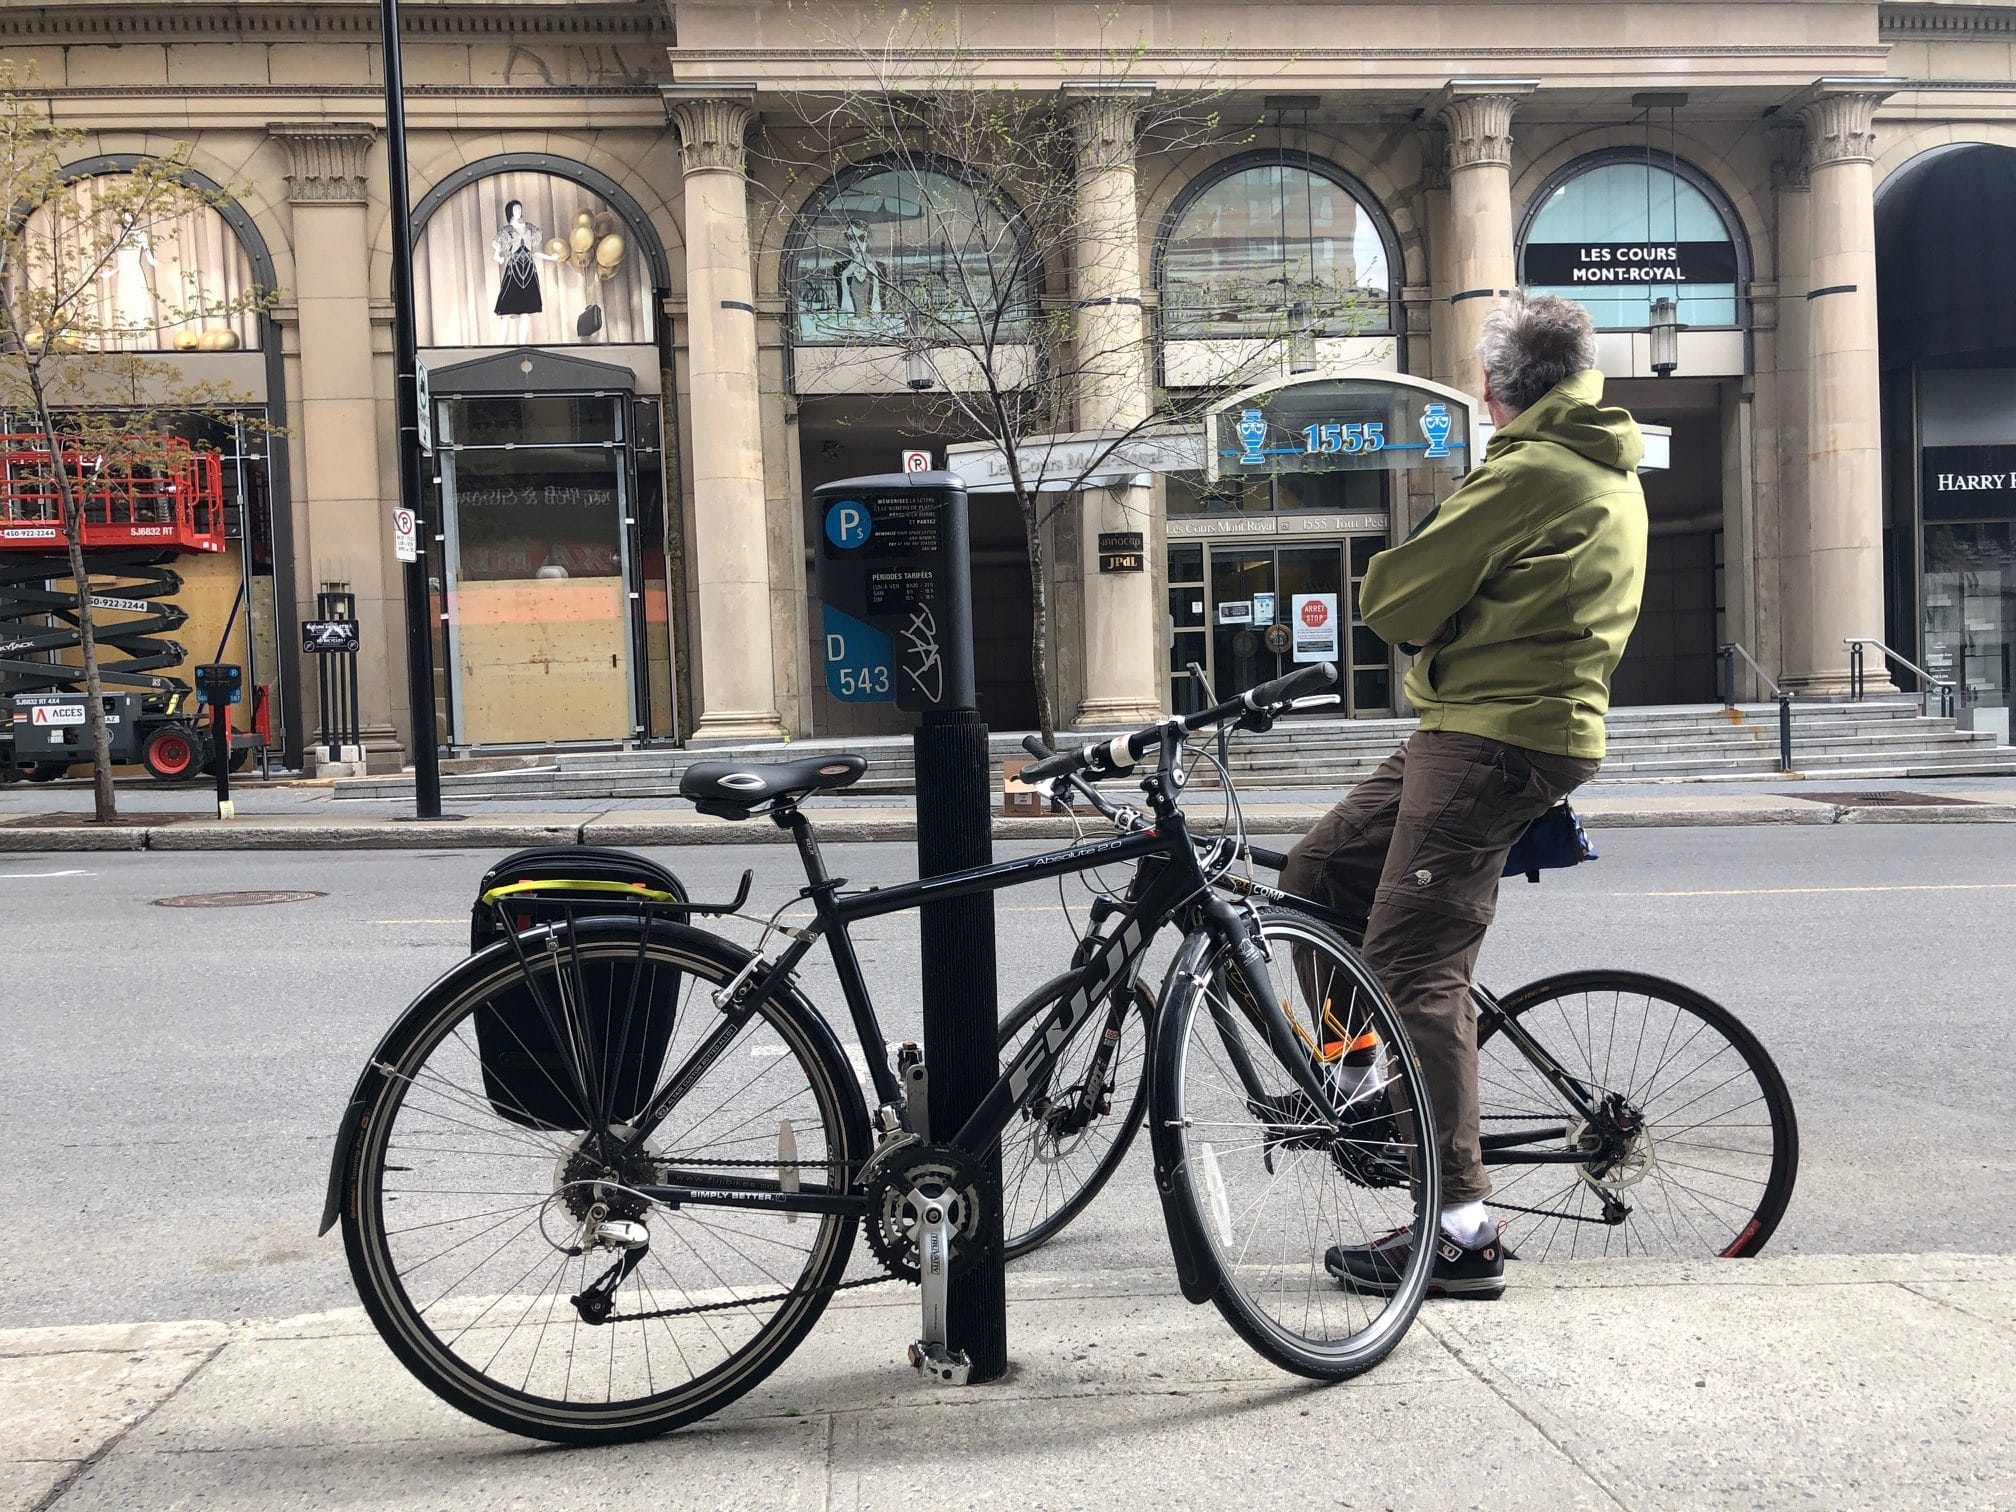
(171, 1078)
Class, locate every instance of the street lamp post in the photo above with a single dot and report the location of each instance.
(405, 362)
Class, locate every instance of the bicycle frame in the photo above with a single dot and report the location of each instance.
(1178, 889)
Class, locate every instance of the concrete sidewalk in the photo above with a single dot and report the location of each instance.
(1840, 1382)
(287, 819)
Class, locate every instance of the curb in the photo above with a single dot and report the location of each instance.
(836, 827)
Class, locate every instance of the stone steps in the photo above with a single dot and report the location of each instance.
(1887, 738)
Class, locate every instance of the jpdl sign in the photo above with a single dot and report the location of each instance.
(1566, 264)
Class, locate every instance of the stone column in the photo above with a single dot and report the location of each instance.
(730, 545)
(1844, 481)
(1482, 265)
(1125, 654)
(1794, 205)
(1435, 362)
(344, 522)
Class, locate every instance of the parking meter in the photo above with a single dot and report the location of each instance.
(219, 684)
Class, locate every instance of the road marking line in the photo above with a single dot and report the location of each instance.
(1773, 892)
(37, 876)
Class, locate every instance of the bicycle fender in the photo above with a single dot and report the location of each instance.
(1197, 1269)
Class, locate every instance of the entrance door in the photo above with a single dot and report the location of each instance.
(539, 608)
(1249, 613)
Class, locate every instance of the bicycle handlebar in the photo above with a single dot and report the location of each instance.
(1122, 751)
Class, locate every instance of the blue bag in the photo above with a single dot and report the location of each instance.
(1554, 840)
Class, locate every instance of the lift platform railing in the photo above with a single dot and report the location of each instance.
(166, 493)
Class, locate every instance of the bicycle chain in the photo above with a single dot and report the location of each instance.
(707, 1307)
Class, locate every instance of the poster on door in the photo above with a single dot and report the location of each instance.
(1313, 621)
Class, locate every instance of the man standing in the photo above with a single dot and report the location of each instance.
(1516, 597)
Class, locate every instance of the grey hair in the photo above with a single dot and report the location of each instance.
(1532, 342)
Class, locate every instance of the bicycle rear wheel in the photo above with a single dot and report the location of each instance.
(1695, 1148)
(1259, 1182)
(483, 1198)
(1073, 1129)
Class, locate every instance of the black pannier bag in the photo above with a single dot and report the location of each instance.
(528, 1078)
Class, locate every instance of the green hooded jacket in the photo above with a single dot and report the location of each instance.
(1537, 561)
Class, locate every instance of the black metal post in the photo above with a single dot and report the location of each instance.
(405, 360)
(1784, 732)
(1855, 670)
(220, 743)
(960, 1007)
(1728, 655)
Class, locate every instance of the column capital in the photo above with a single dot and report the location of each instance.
(325, 159)
(1434, 156)
(713, 126)
(1787, 137)
(1104, 119)
(1840, 118)
(1477, 114)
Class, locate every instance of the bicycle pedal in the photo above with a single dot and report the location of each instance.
(941, 1364)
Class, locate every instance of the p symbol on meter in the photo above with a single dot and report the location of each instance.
(848, 524)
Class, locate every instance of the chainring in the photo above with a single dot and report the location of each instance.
(923, 1171)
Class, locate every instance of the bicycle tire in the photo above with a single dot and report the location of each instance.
(1028, 1130)
(832, 1137)
(1511, 1089)
(1183, 1100)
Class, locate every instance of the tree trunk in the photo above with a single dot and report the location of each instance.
(72, 511)
(1039, 637)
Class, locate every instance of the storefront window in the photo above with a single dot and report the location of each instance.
(1614, 236)
(881, 248)
(530, 259)
(1269, 240)
(172, 283)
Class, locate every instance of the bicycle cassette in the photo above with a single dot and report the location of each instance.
(904, 1187)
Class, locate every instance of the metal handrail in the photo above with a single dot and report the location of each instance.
(1727, 655)
(1857, 679)
(1729, 652)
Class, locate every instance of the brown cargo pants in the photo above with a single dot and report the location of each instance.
(1416, 850)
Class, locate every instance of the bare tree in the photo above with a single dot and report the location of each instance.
(1013, 309)
(76, 344)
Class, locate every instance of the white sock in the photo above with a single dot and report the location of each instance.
(1467, 1223)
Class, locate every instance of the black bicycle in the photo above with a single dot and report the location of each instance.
(603, 1176)
(1623, 1114)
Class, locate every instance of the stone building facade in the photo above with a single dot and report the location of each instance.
(631, 317)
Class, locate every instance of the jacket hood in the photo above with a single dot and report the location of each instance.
(1572, 414)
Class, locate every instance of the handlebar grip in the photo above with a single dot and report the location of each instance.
(1033, 744)
(1294, 685)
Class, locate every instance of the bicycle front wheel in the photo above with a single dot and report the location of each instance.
(1265, 1186)
(485, 1199)
(1693, 1148)
(1075, 1126)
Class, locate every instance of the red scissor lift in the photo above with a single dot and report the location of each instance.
(139, 513)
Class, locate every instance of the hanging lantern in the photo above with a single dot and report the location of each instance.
(605, 222)
(34, 338)
(1665, 336)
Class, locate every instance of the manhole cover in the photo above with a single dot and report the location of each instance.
(1885, 800)
(235, 899)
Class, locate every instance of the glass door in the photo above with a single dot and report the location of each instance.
(1249, 613)
(539, 608)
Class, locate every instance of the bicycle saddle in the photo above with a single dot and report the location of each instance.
(734, 789)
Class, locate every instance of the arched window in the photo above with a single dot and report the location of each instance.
(522, 256)
(884, 245)
(1266, 242)
(176, 280)
(1615, 232)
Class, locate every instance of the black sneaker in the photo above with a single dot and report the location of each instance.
(1470, 1272)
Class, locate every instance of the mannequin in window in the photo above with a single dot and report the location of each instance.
(131, 308)
(516, 249)
(858, 276)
